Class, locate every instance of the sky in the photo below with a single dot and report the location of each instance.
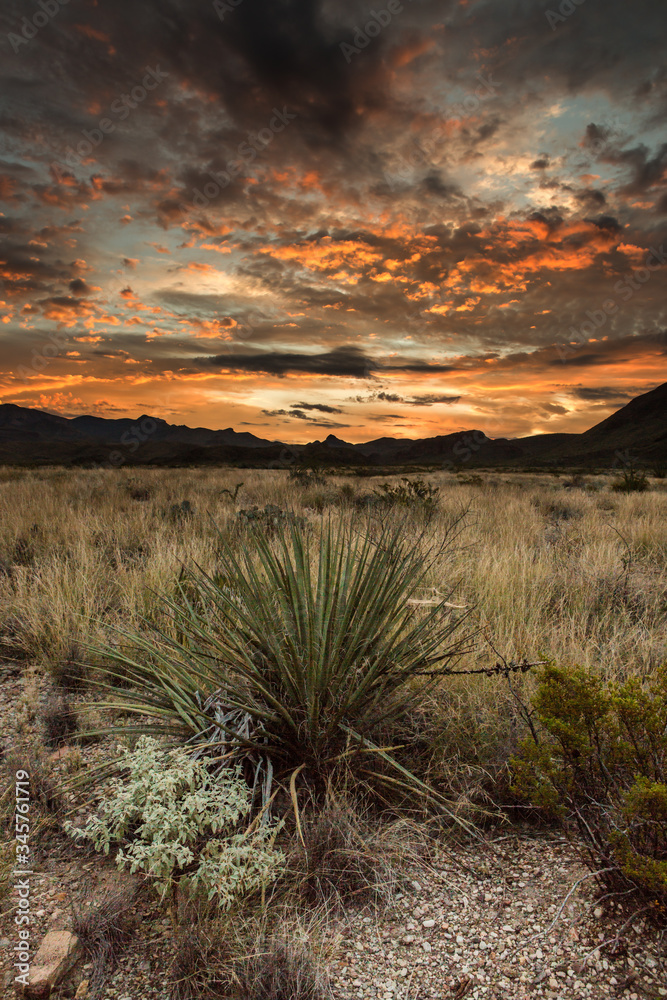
(298, 218)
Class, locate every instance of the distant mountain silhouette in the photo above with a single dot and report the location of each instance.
(637, 432)
(17, 422)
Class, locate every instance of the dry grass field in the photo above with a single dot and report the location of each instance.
(537, 568)
(577, 573)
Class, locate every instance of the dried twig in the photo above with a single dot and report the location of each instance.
(615, 938)
(503, 669)
(562, 906)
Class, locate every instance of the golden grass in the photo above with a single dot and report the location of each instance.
(575, 575)
(580, 576)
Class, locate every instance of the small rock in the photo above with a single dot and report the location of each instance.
(56, 955)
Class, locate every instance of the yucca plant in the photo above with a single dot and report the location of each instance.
(293, 656)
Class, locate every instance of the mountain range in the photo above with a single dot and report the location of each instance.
(637, 432)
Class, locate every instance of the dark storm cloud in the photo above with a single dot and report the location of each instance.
(592, 198)
(647, 169)
(623, 350)
(349, 362)
(24, 271)
(424, 399)
(321, 407)
(260, 53)
(433, 184)
(79, 287)
(298, 414)
(603, 393)
(430, 399)
(616, 45)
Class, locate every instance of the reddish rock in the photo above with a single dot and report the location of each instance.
(57, 954)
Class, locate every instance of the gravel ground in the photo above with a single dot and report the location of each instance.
(464, 927)
(476, 923)
(471, 929)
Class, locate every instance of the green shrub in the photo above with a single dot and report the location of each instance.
(269, 519)
(294, 658)
(307, 477)
(631, 480)
(599, 763)
(408, 493)
(180, 512)
(171, 817)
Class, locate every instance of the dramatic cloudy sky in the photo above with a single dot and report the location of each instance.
(293, 218)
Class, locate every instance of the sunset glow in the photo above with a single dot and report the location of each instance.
(249, 219)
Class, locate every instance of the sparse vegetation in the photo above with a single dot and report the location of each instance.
(631, 480)
(104, 928)
(307, 643)
(306, 476)
(59, 721)
(172, 819)
(410, 493)
(296, 656)
(278, 970)
(598, 761)
(268, 519)
(344, 858)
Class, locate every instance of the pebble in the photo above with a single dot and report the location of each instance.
(470, 952)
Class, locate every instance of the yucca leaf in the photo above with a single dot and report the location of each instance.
(309, 637)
